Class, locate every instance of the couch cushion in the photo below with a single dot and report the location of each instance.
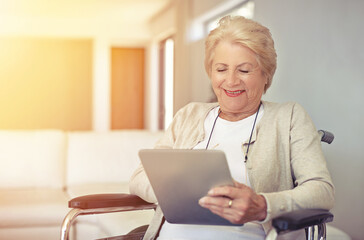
(95, 188)
(31, 233)
(32, 159)
(32, 207)
(105, 157)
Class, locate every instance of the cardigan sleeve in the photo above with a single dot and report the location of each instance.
(139, 183)
(313, 187)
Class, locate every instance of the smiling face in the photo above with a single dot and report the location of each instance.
(237, 80)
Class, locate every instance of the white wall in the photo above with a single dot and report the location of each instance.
(320, 65)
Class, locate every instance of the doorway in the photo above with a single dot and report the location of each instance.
(127, 88)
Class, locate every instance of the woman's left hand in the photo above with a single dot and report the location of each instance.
(238, 204)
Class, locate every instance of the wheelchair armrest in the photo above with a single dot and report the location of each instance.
(101, 203)
(108, 201)
(301, 219)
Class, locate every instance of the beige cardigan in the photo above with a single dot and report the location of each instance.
(286, 164)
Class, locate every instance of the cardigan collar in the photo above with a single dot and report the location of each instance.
(201, 129)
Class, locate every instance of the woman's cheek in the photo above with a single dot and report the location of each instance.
(216, 82)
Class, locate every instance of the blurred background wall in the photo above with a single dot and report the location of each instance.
(320, 65)
(69, 28)
(45, 83)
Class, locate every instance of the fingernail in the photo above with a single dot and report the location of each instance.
(211, 192)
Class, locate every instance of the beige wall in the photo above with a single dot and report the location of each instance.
(107, 23)
(45, 83)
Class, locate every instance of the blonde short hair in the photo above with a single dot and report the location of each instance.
(249, 34)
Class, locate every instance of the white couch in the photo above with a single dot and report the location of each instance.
(41, 170)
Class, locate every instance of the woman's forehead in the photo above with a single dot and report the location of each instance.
(227, 52)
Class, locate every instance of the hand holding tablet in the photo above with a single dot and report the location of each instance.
(180, 178)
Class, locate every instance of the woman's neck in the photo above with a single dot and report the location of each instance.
(233, 117)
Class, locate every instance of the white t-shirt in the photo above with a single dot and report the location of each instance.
(228, 137)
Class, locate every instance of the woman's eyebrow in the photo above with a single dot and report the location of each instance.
(217, 64)
(245, 63)
(240, 65)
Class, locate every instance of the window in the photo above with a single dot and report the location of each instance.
(169, 79)
(166, 83)
(246, 9)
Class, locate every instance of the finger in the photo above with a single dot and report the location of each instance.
(222, 202)
(228, 213)
(239, 190)
(232, 213)
(239, 185)
(221, 191)
(233, 192)
(222, 212)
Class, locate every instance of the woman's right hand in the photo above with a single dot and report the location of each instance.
(238, 204)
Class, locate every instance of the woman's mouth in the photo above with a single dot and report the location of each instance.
(233, 93)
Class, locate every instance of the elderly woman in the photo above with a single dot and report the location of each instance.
(273, 150)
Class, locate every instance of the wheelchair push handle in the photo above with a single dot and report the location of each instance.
(326, 136)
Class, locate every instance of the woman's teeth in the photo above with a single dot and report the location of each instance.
(234, 92)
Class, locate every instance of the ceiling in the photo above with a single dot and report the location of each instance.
(132, 11)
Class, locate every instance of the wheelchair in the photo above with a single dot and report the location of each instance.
(308, 219)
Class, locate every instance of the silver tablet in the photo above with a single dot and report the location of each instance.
(180, 178)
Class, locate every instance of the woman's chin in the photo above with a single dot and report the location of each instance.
(233, 107)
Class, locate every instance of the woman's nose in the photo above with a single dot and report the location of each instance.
(232, 79)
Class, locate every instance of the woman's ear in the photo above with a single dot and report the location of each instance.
(265, 77)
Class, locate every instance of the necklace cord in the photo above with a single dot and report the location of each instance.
(213, 126)
(251, 134)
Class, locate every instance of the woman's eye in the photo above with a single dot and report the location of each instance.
(221, 70)
(243, 71)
